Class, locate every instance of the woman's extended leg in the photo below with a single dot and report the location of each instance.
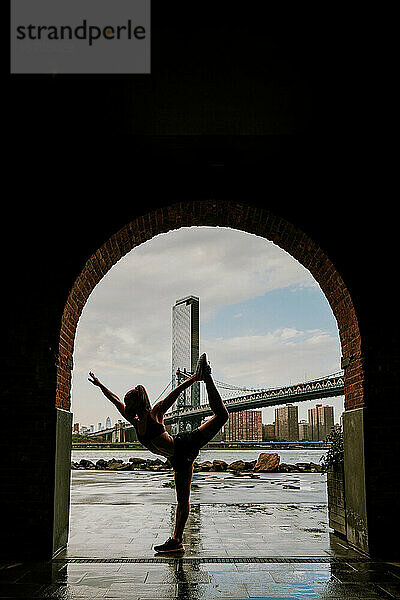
(211, 427)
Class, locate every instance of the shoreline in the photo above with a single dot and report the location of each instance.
(266, 463)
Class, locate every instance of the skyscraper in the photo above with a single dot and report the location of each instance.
(286, 423)
(321, 421)
(304, 431)
(244, 425)
(268, 430)
(185, 347)
(108, 423)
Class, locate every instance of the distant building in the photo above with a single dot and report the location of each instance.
(185, 348)
(321, 420)
(304, 431)
(268, 430)
(99, 426)
(286, 423)
(108, 423)
(92, 429)
(242, 426)
(118, 435)
(130, 433)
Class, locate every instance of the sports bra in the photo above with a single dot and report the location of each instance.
(153, 429)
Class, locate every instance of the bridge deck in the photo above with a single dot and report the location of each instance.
(317, 389)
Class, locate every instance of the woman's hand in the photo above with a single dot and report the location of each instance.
(93, 379)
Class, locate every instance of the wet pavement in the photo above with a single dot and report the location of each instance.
(245, 538)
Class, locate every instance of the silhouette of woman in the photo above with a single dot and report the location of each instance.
(182, 449)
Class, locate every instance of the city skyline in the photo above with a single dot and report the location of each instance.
(264, 320)
(248, 425)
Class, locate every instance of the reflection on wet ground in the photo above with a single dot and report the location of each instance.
(244, 539)
(137, 487)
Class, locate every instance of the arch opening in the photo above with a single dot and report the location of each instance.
(217, 214)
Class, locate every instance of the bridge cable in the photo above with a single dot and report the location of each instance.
(165, 389)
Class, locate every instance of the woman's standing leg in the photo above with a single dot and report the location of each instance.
(183, 481)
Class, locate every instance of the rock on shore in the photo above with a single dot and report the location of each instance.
(267, 462)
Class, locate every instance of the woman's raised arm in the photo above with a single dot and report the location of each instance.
(108, 393)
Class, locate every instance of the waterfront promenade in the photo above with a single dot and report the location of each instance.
(245, 538)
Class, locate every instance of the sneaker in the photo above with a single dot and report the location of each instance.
(170, 545)
(203, 368)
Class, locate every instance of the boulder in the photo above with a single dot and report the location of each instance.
(284, 468)
(237, 465)
(267, 463)
(86, 464)
(315, 468)
(125, 467)
(119, 466)
(219, 465)
(112, 466)
(303, 467)
(206, 466)
(101, 464)
(113, 461)
(137, 462)
(154, 462)
(249, 465)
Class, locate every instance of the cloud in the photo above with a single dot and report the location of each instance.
(274, 359)
(221, 266)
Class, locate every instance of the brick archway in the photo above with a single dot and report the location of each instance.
(223, 214)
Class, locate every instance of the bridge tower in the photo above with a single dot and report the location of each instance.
(185, 349)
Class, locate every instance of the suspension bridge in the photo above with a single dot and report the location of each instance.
(252, 398)
(238, 398)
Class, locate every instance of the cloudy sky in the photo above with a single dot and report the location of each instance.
(263, 319)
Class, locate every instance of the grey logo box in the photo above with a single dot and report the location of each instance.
(80, 36)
